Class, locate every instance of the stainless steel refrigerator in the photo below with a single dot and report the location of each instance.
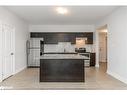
(35, 48)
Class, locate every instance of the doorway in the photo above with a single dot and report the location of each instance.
(7, 51)
(102, 36)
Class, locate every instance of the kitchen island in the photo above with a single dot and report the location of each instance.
(62, 68)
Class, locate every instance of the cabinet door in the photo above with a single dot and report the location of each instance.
(54, 38)
(50, 38)
(34, 35)
(72, 38)
(61, 70)
(79, 35)
(37, 35)
(89, 38)
(62, 37)
(92, 59)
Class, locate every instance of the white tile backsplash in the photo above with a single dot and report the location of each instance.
(65, 45)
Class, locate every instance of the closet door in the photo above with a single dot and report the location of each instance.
(8, 53)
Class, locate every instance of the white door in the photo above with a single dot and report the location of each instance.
(102, 47)
(8, 51)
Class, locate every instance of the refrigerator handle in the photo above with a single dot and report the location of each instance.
(28, 47)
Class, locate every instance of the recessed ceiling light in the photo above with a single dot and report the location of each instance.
(61, 10)
(105, 30)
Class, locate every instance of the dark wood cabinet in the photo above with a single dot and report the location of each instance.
(62, 70)
(50, 38)
(92, 59)
(36, 35)
(89, 38)
(54, 38)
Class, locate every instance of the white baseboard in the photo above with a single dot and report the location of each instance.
(15, 72)
(19, 70)
(117, 76)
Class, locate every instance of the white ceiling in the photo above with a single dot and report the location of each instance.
(47, 15)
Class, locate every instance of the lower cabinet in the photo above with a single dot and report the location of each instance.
(92, 59)
(62, 70)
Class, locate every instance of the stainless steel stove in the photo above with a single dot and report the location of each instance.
(82, 51)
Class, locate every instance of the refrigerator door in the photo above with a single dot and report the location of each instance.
(35, 47)
(34, 43)
(34, 57)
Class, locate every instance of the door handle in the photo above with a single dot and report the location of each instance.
(12, 53)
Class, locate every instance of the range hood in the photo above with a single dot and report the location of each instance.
(80, 42)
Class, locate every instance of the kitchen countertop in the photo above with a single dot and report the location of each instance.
(60, 53)
(63, 56)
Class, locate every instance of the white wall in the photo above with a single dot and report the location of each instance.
(117, 45)
(61, 28)
(21, 35)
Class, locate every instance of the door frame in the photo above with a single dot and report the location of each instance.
(13, 47)
(99, 35)
(97, 43)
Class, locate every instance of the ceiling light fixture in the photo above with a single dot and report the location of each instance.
(61, 10)
(105, 30)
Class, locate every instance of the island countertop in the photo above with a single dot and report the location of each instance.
(63, 56)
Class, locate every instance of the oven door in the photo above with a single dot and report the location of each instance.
(86, 63)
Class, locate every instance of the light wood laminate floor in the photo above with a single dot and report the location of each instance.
(96, 79)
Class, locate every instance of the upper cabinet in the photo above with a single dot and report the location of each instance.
(54, 38)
